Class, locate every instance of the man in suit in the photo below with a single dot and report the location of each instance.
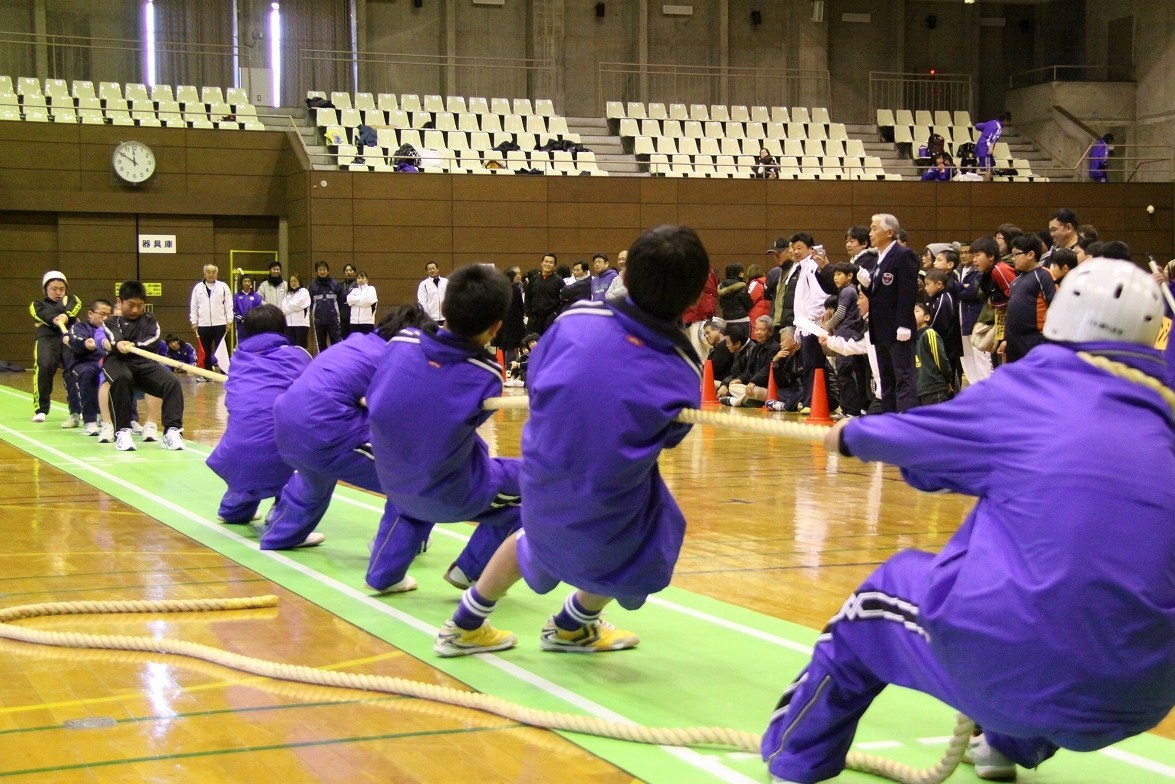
(892, 289)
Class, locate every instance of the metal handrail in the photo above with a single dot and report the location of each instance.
(715, 85)
(1062, 73)
(919, 92)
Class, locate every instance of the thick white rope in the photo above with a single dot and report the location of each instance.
(687, 736)
(728, 420)
(211, 375)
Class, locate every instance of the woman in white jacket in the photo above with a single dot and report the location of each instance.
(362, 299)
(211, 312)
(296, 307)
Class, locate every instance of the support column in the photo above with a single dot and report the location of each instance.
(548, 20)
(724, 51)
(40, 27)
(642, 48)
(449, 83)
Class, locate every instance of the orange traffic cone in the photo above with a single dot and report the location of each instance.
(709, 394)
(819, 414)
(502, 364)
(772, 391)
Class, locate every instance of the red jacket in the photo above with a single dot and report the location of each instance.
(704, 308)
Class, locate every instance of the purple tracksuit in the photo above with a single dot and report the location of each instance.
(246, 458)
(85, 370)
(597, 514)
(1049, 617)
(323, 433)
(425, 402)
(989, 134)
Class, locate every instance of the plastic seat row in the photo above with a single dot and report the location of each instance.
(454, 104)
(617, 110)
(891, 118)
(441, 121)
(58, 92)
(742, 167)
(389, 138)
(558, 162)
(833, 148)
(714, 129)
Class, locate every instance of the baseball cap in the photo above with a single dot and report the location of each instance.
(780, 244)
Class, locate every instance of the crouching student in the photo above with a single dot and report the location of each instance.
(89, 343)
(610, 529)
(988, 625)
(322, 430)
(425, 403)
(265, 364)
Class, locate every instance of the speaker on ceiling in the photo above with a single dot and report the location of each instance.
(756, 18)
(599, 10)
(932, 21)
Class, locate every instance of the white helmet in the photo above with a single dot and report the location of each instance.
(1106, 299)
(53, 275)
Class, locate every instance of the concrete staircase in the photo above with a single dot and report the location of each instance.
(610, 155)
(282, 119)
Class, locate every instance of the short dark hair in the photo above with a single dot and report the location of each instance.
(1065, 215)
(843, 267)
(1029, 242)
(804, 237)
(1116, 249)
(244, 278)
(583, 265)
(320, 264)
(667, 269)
(858, 233)
(100, 301)
(986, 245)
(1087, 231)
(273, 264)
(937, 275)
(402, 316)
(171, 338)
(603, 256)
(553, 257)
(477, 297)
(1010, 231)
(902, 236)
(511, 274)
(1093, 249)
(564, 271)
(1063, 257)
(734, 269)
(262, 319)
(737, 333)
(830, 301)
(529, 338)
(132, 289)
(951, 255)
(712, 324)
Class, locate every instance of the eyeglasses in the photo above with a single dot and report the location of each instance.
(1019, 253)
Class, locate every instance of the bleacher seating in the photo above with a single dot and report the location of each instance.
(131, 104)
(453, 134)
(956, 129)
(724, 141)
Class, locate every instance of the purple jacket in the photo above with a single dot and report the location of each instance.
(425, 405)
(1053, 606)
(596, 511)
(989, 134)
(246, 457)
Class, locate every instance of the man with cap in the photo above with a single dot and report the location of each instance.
(53, 316)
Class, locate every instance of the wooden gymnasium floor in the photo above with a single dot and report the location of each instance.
(779, 534)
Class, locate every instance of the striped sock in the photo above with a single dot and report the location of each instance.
(473, 610)
(574, 616)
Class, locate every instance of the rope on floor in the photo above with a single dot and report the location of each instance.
(588, 725)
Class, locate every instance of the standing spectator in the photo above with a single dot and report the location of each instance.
(934, 366)
(361, 303)
(243, 301)
(296, 308)
(780, 253)
(210, 311)
(326, 294)
(757, 288)
(995, 286)
(943, 305)
(53, 315)
(734, 301)
(513, 329)
(1003, 238)
(1061, 263)
(602, 276)
(273, 288)
(1099, 158)
(848, 324)
(989, 134)
(431, 293)
(1062, 230)
(1028, 300)
(578, 287)
(809, 307)
(783, 301)
(857, 246)
(893, 288)
(976, 363)
(542, 296)
(349, 283)
(696, 318)
(617, 290)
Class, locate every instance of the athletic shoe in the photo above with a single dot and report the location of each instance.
(313, 539)
(201, 380)
(74, 420)
(990, 765)
(136, 428)
(91, 429)
(725, 400)
(457, 578)
(105, 433)
(38, 417)
(423, 548)
(593, 638)
(405, 585)
(805, 409)
(124, 441)
(150, 432)
(776, 405)
(173, 440)
(452, 640)
(514, 382)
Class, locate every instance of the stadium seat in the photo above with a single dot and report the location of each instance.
(719, 113)
(387, 102)
(433, 103)
(699, 112)
(544, 107)
(455, 104)
(410, 102)
(363, 101)
(657, 111)
(678, 111)
(614, 110)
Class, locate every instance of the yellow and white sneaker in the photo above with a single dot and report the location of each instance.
(594, 638)
(452, 640)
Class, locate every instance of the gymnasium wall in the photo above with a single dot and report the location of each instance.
(217, 190)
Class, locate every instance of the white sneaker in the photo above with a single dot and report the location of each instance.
(990, 765)
(91, 429)
(405, 585)
(457, 578)
(74, 420)
(172, 439)
(312, 540)
(38, 417)
(150, 432)
(136, 428)
(105, 433)
(124, 441)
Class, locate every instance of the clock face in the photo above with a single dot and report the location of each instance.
(134, 162)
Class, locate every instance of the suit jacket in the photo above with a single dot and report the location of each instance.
(892, 291)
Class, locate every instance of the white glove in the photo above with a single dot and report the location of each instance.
(903, 334)
(863, 277)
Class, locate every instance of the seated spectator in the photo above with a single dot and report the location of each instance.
(720, 356)
(788, 369)
(766, 167)
(179, 350)
(759, 370)
(518, 366)
(941, 171)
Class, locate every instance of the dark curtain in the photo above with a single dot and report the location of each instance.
(316, 48)
(194, 42)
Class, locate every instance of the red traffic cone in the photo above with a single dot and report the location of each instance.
(709, 394)
(502, 364)
(772, 390)
(199, 354)
(819, 414)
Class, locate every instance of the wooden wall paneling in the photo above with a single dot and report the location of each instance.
(827, 224)
(658, 190)
(658, 213)
(510, 189)
(404, 213)
(521, 240)
(586, 190)
(591, 216)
